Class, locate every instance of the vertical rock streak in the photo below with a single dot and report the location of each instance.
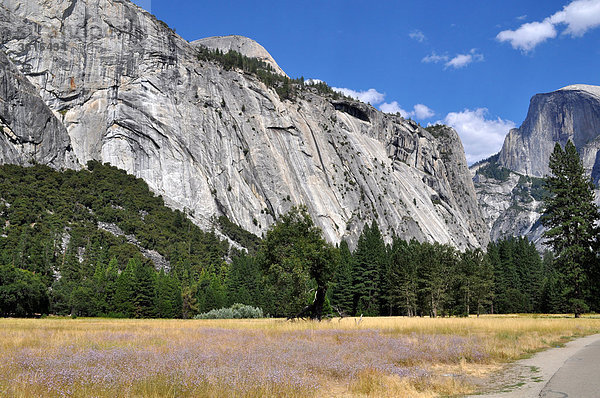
(121, 87)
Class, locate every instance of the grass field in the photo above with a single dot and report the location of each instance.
(404, 357)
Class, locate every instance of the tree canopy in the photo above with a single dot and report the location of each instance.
(77, 242)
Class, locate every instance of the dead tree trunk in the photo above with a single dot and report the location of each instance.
(315, 309)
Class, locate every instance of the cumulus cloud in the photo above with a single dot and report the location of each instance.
(462, 60)
(528, 35)
(480, 136)
(417, 35)
(393, 107)
(579, 16)
(422, 111)
(370, 96)
(419, 111)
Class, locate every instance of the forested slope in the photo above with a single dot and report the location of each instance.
(74, 229)
(97, 242)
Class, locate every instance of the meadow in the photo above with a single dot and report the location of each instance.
(403, 357)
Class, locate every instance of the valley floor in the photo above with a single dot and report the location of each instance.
(416, 357)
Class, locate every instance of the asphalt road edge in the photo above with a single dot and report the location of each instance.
(541, 367)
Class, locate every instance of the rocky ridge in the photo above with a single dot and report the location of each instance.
(571, 113)
(242, 45)
(129, 91)
(512, 204)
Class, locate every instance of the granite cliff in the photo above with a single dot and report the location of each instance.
(508, 185)
(571, 113)
(110, 82)
(511, 203)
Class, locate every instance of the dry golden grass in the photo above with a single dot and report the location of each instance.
(158, 358)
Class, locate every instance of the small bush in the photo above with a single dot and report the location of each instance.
(236, 311)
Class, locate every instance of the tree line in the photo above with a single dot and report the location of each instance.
(55, 258)
(285, 87)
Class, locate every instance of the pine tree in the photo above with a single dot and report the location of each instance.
(402, 277)
(125, 291)
(570, 216)
(369, 261)
(530, 269)
(167, 296)
(507, 289)
(243, 282)
(112, 275)
(341, 289)
(437, 268)
(483, 287)
(211, 292)
(143, 288)
(82, 300)
(468, 266)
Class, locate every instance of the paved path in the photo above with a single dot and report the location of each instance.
(572, 371)
(579, 377)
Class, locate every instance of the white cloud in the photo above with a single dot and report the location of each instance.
(435, 58)
(417, 35)
(393, 107)
(456, 62)
(370, 96)
(462, 60)
(419, 111)
(423, 111)
(313, 81)
(481, 137)
(522, 17)
(579, 16)
(528, 35)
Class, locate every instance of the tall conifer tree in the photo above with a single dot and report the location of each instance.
(570, 216)
(341, 289)
(369, 261)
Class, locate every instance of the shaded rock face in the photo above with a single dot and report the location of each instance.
(29, 131)
(571, 113)
(130, 92)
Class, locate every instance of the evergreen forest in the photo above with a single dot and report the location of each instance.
(98, 242)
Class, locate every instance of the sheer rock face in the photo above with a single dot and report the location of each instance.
(571, 113)
(29, 131)
(130, 92)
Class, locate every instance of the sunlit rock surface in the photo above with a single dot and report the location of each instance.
(131, 92)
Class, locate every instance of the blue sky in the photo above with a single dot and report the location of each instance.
(469, 63)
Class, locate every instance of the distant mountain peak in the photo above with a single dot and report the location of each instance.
(583, 87)
(571, 113)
